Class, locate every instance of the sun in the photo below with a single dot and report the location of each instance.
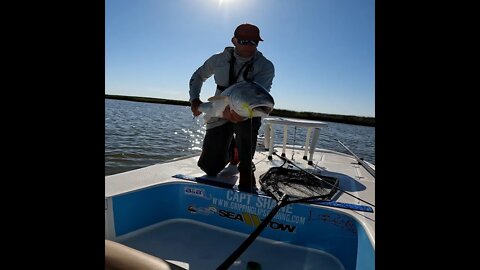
(220, 2)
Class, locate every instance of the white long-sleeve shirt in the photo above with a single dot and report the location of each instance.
(262, 71)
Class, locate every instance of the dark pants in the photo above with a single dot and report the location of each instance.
(216, 144)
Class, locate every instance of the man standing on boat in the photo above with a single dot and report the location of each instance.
(243, 62)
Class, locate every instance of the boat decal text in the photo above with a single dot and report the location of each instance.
(198, 192)
(254, 220)
(337, 220)
(256, 205)
(244, 217)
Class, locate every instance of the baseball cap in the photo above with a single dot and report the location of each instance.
(247, 31)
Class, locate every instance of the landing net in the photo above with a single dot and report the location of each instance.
(298, 183)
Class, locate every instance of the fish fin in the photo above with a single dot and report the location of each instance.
(218, 98)
(205, 107)
(212, 109)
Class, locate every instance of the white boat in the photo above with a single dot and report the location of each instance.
(172, 216)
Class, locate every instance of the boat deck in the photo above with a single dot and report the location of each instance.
(353, 178)
(192, 244)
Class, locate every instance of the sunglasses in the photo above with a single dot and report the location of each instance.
(247, 42)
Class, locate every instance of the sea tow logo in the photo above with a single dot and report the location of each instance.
(254, 220)
(202, 210)
(198, 192)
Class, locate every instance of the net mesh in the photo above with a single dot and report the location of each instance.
(297, 183)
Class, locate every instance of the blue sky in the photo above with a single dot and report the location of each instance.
(323, 50)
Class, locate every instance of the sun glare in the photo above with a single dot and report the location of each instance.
(231, 4)
(220, 2)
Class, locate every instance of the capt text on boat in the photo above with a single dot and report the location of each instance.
(239, 69)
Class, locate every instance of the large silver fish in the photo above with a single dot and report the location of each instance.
(246, 98)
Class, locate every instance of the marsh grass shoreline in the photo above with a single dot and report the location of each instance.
(346, 119)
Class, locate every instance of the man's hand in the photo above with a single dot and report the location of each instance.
(194, 106)
(232, 116)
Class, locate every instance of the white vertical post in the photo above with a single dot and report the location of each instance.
(266, 138)
(307, 142)
(316, 133)
(285, 128)
(272, 138)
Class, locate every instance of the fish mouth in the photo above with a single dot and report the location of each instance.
(263, 108)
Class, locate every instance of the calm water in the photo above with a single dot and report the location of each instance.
(141, 134)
